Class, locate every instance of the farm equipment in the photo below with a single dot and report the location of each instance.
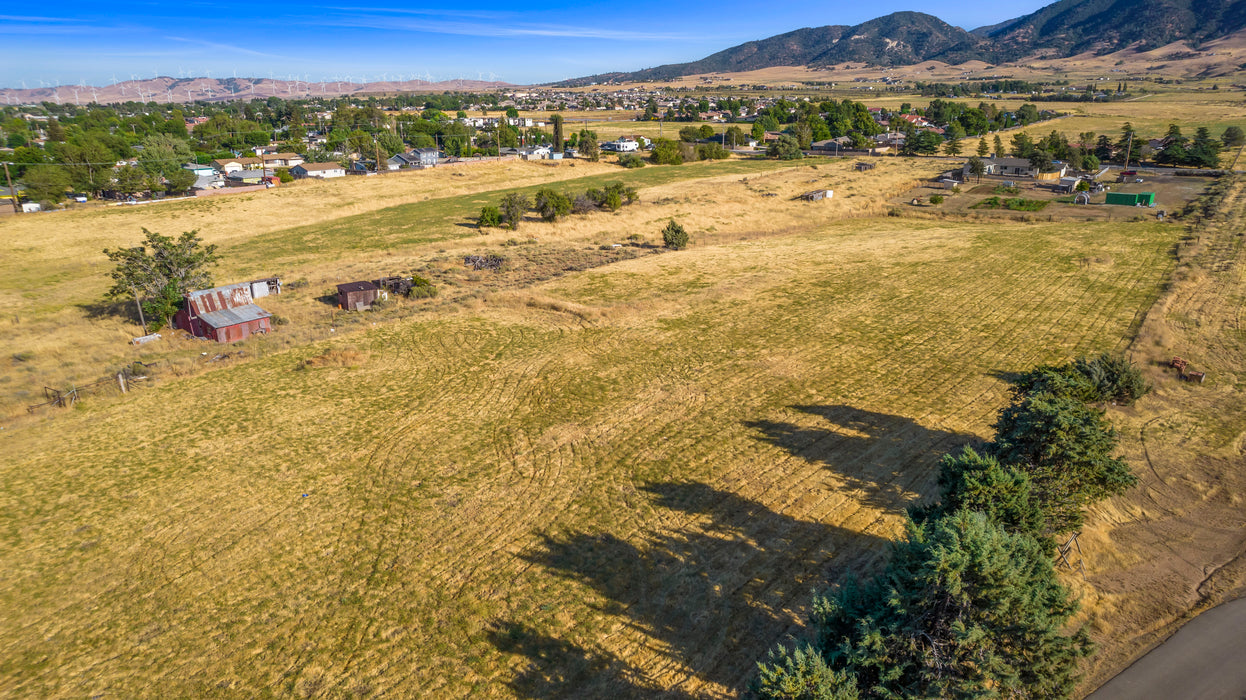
(1185, 371)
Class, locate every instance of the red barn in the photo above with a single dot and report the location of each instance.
(223, 314)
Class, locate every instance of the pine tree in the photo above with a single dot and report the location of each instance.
(964, 609)
(983, 148)
(1064, 447)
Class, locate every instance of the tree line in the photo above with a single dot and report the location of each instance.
(969, 604)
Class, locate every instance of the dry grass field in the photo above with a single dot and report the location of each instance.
(59, 330)
(569, 478)
(1176, 545)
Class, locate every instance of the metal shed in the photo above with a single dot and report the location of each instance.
(357, 296)
(224, 314)
(816, 195)
(1131, 199)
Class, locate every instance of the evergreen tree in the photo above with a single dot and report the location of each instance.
(1064, 447)
(983, 148)
(978, 482)
(964, 609)
(999, 147)
(1233, 137)
(1204, 151)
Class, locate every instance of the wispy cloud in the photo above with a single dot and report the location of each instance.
(13, 24)
(498, 29)
(223, 47)
(27, 18)
(470, 14)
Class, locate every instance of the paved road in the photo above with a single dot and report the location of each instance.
(1205, 659)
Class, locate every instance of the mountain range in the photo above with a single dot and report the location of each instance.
(171, 90)
(1064, 28)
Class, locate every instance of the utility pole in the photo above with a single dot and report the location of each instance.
(1129, 148)
(17, 208)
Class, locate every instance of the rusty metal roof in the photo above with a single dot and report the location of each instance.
(230, 296)
(356, 287)
(234, 316)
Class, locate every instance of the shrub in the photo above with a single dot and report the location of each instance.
(283, 174)
(936, 199)
(551, 204)
(513, 207)
(631, 160)
(489, 216)
(712, 151)
(583, 204)
(674, 236)
(666, 152)
(421, 288)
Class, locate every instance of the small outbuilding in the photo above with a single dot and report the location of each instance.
(357, 296)
(816, 195)
(1131, 199)
(224, 314)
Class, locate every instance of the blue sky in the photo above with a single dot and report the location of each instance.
(73, 42)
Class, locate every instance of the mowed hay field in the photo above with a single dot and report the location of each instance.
(60, 331)
(623, 479)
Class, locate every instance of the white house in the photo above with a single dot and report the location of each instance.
(318, 170)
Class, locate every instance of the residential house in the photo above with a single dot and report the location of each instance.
(415, 158)
(226, 166)
(318, 170)
(529, 152)
(254, 176)
(1016, 167)
(283, 160)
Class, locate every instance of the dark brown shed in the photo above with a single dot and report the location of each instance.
(357, 296)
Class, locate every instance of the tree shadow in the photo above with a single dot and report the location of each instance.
(1006, 376)
(117, 308)
(716, 593)
(557, 668)
(886, 458)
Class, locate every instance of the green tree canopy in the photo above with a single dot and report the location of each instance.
(964, 609)
(785, 148)
(46, 183)
(1064, 447)
(162, 269)
(666, 152)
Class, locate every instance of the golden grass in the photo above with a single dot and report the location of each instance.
(618, 480)
(57, 275)
(1172, 547)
